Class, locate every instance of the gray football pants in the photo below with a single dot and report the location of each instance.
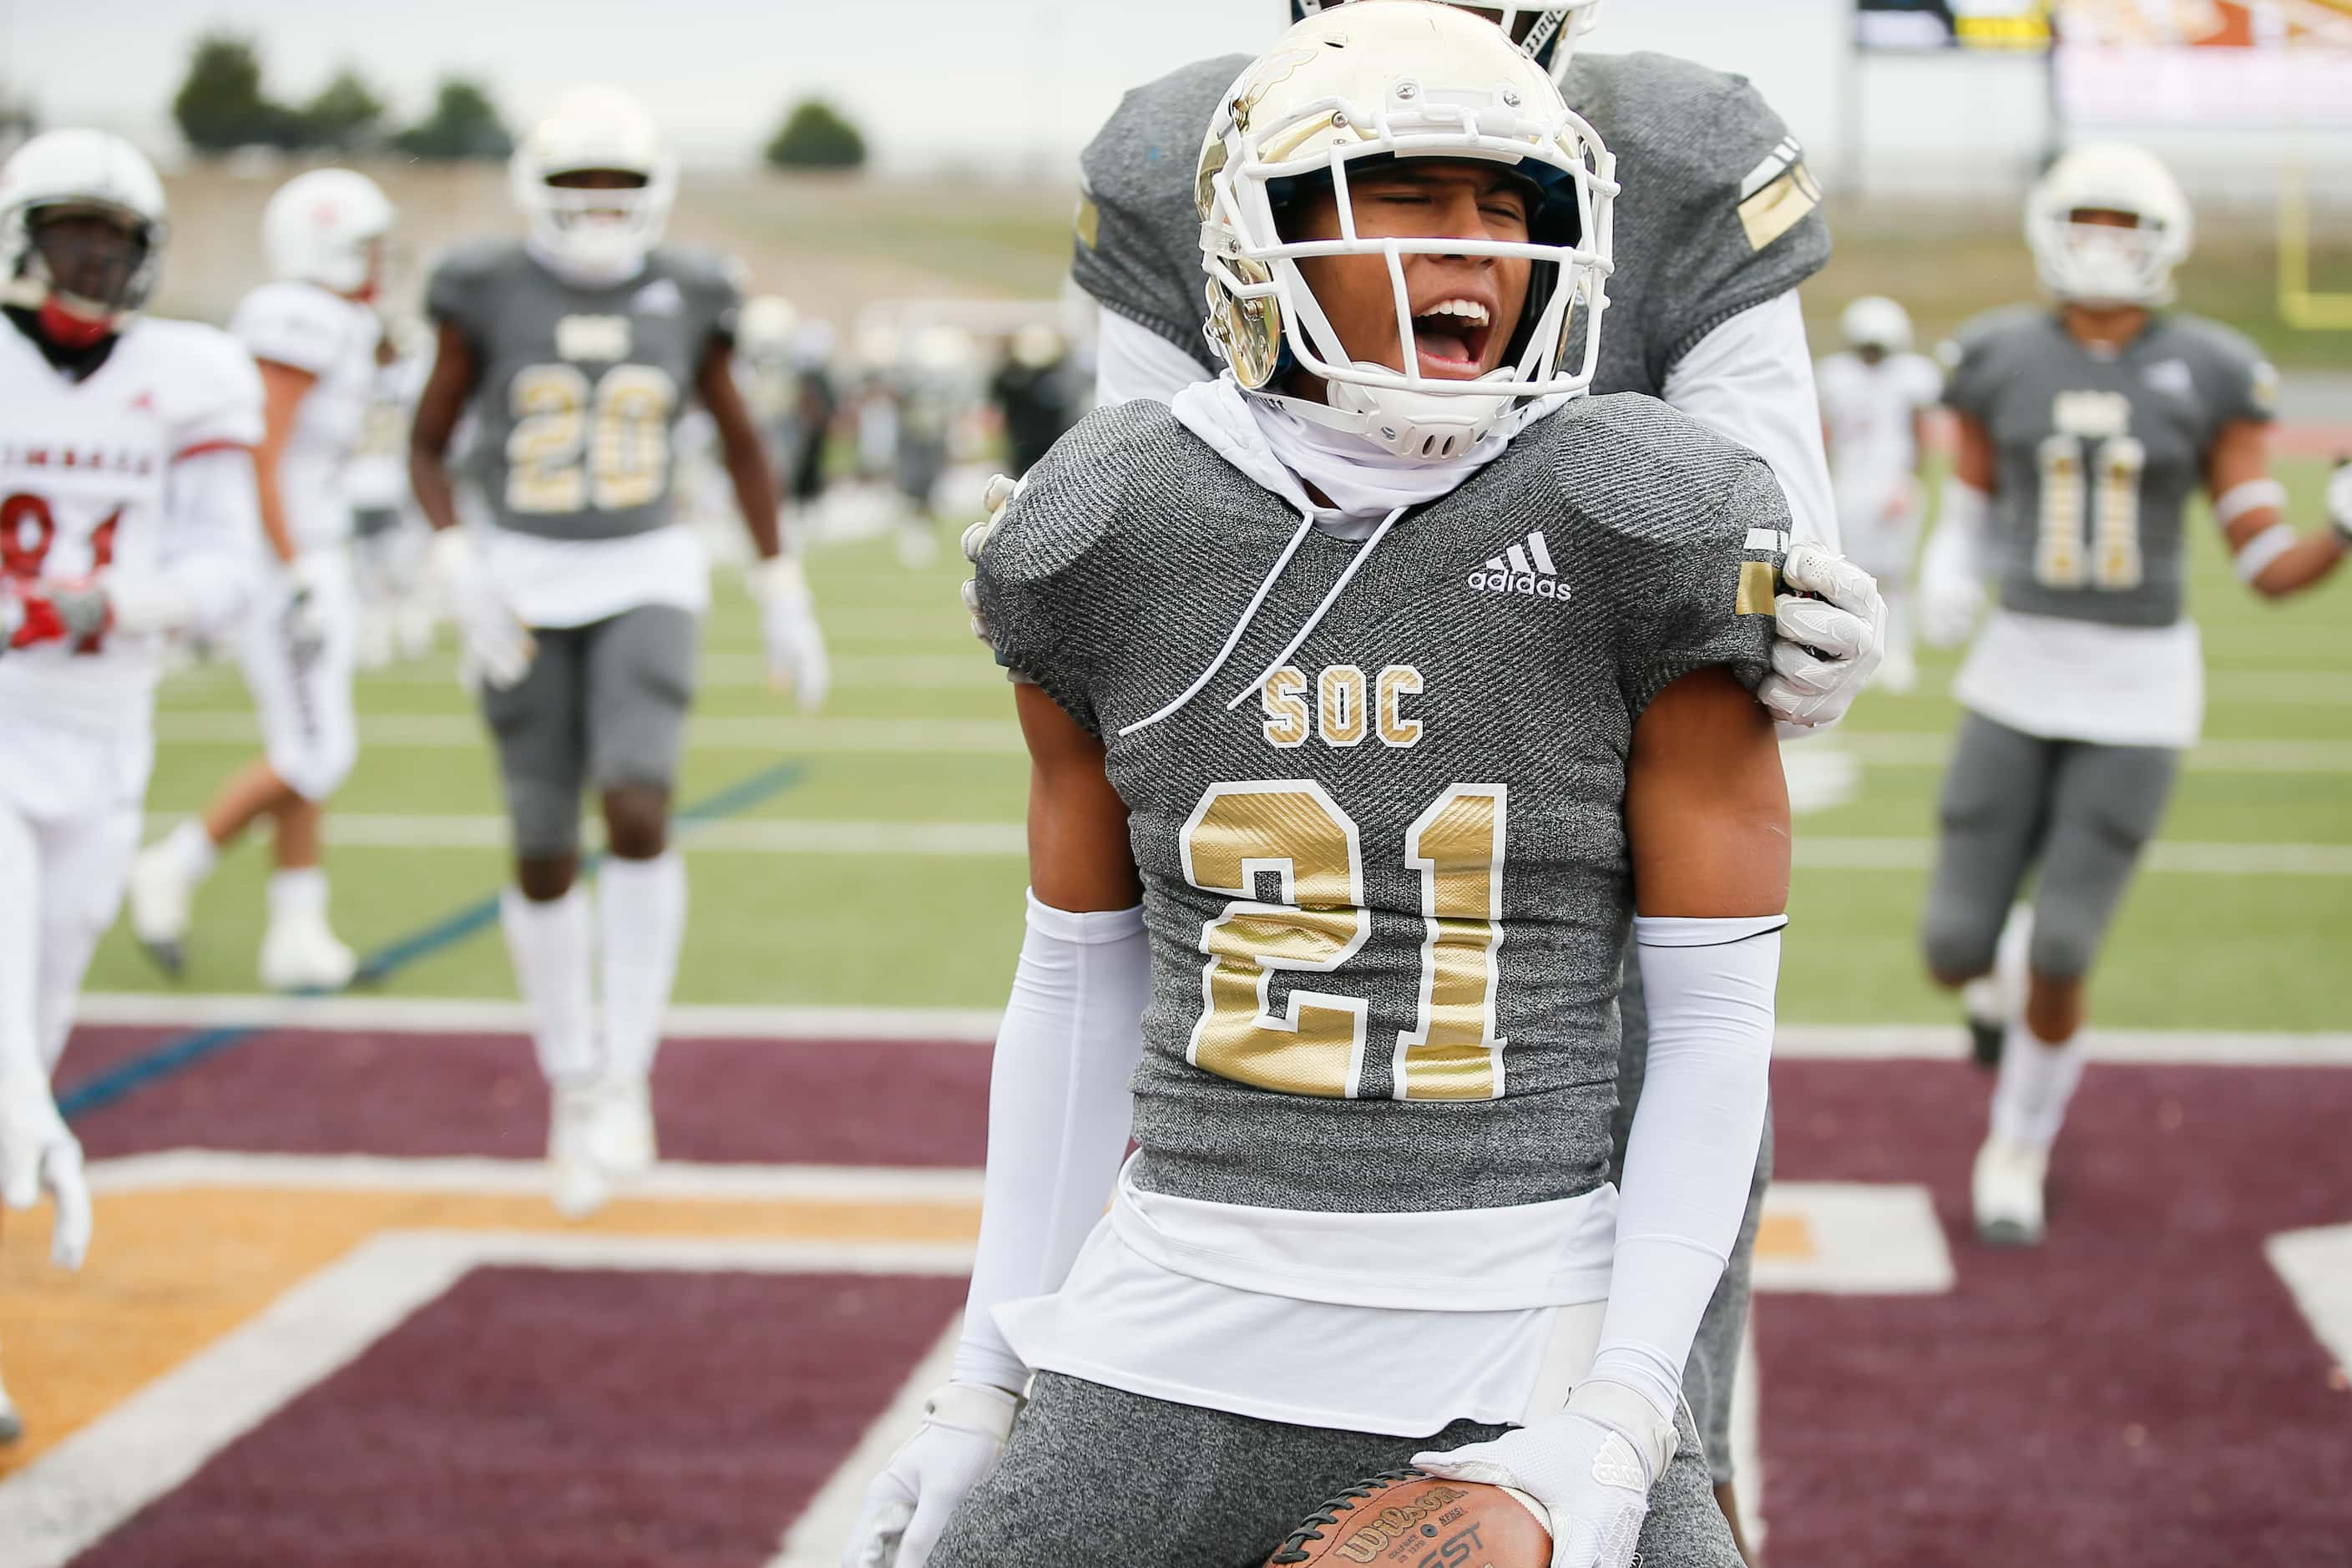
(603, 706)
(1714, 1364)
(2083, 811)
(1095, 1475)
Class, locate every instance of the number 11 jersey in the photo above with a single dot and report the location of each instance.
(2098, 453)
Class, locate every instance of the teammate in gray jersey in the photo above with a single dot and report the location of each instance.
(576, 351)
(2083, 430)
(1374, 690)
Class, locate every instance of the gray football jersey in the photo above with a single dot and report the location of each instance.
(1387, 895)
(581, 389)
(2098, 455)
(1720, 213)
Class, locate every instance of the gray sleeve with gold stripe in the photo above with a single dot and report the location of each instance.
(1718, 213)
(1138, 247)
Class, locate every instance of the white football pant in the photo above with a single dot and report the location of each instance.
(69, 825)
(299, 672)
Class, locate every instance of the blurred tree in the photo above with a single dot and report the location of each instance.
(815, 135)
(347, 115)
(464, 124)
(220, 105)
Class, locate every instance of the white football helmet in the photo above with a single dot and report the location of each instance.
(327, 227)
(599, 233)
(1548, 33)
(1404, 78)
(1874, 321)
(2101, 263)
(62, 170)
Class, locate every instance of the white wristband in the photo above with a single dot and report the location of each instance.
(2263, 548)
(2242, 501)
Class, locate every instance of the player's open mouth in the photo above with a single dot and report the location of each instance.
(1451, 337)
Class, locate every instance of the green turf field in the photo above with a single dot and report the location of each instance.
(825, 894)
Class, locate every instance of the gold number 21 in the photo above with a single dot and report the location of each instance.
(1293, 830)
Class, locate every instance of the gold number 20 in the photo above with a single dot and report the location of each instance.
(573, 446)
(1293, 830)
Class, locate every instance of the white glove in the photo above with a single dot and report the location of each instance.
(38, 1153)
(494, 647)
(1825, 648)
(1002, 488)
(1590, 1466)
(2340, 499)
(795, 643)
(964, 1428)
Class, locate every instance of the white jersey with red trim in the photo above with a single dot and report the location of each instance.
(87, 473)
(333, 339)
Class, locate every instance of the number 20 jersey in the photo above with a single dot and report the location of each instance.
(580, 388)
(2098, 453)
(1387, 892)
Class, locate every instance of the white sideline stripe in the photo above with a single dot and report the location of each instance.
(464, 731)
(994, 737)
(2318, 1268)
(56, 1507)
(731, 671)
(944, 1025)
(178, 1169)
(815, 1539)
(426, 1015)
(1010, 840)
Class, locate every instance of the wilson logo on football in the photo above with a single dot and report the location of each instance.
(1523, 569)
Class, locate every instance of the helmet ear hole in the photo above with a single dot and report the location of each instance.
(1249, 331)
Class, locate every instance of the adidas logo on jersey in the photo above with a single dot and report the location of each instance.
(1525, 569)
(660, 298)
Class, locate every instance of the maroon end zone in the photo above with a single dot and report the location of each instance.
(2142, 1392)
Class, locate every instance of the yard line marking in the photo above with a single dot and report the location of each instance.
(464, 731)
(361, 830)
(972, 1026)
(56, 1507)
(1933, 749)
(747, 671)
(1010, 840)
(1002, 737)
(669, 1180)
(173, 1055)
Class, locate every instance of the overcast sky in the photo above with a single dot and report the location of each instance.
(928, 80)
(1009, 86)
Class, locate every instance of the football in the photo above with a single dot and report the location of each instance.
(1408, 1520)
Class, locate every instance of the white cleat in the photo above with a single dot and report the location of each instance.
(576, 1179)
(300, 953)
(624, 1128)
(2008, 1188)
(161, 894)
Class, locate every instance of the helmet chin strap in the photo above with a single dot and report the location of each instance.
(1428, 425)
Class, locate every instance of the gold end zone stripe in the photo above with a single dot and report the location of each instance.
(1779, 206)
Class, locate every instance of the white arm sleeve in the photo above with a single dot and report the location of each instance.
(211, 554)
(1752, 379)
(1131, 361)
(1058, 1111)
(1692, 1151)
